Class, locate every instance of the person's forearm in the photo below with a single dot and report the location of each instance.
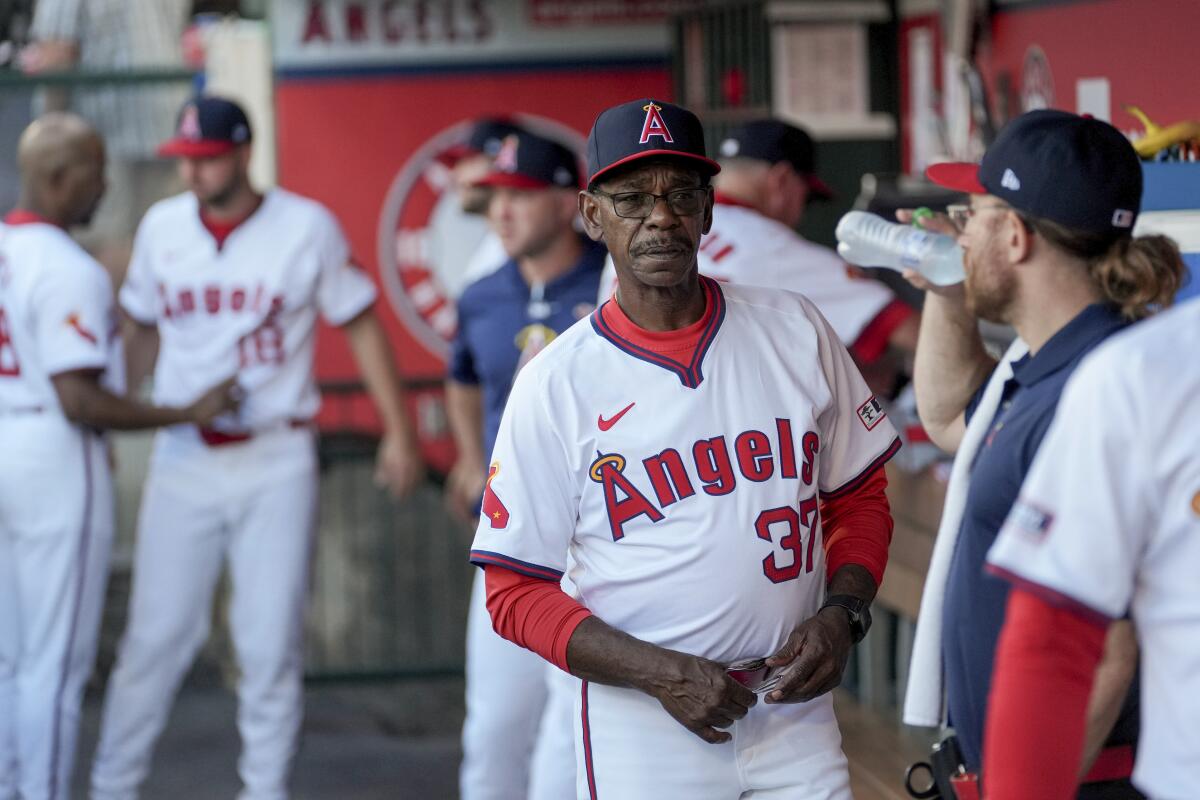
(600, 653)
(378, 369)
(464, 412)
(88, 403)
(141, 351)
(950, 365)
(1113, 679)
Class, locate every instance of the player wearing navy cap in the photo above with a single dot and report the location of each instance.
(517, 734)
(1047, 249)
(683, 451)
(225, 281)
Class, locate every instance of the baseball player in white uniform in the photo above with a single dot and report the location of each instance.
(1108, 524)
(232, 282)
(58, 364)
(687, 447)
(766, 182)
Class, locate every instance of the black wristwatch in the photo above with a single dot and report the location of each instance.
(857, 611)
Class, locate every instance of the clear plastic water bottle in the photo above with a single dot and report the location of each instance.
(869, 240)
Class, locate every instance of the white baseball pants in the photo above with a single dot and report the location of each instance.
(56, 528)
(517, 738)
(629, 748)
(252, 505)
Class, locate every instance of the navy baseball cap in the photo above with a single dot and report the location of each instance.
(643, 129)
(207, 126)
(485, 138)
(1076, 171)
(528, 161)
(773, 141)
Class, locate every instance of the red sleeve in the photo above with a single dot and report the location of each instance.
(1037, 713)
(533, 612)
(858, 527)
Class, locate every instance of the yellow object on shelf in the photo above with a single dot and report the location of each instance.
(1157, 137)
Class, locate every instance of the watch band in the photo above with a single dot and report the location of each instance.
(857, 610)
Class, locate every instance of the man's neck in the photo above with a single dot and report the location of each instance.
(662, 308)
(26, 201)
(555, 261)
(237, 208)
(1061, 292)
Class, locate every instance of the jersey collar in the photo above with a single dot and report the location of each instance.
(681, 351)
(221, 229)
(19, 216)
(723, 199)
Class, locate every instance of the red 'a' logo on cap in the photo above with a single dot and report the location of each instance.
(189, 124)
(506, 159)
(654, 124)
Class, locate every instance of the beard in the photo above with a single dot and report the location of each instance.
(990, 289)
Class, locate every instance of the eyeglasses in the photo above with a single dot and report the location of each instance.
(960, 215)
(639, 205)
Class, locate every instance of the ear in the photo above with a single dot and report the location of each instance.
(1019, 238)
(590, 213)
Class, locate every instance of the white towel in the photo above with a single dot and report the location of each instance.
(924, 704)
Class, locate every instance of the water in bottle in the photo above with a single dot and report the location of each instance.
(869, 240)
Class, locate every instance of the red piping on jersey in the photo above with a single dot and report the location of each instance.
(1036, 719)
(587, 744)
(722, 199)
(872, 341)
(532, 612)
(19, 216)
(680, 351)
(220, 229)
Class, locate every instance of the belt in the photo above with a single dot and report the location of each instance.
(216, 438)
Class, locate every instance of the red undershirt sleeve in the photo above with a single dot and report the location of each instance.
(872, 341)
(1037, 713)
(858, 527)
(533, 612)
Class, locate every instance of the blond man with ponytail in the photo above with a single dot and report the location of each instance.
(1048, 249)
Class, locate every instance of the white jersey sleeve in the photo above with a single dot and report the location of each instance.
(857, 436)
(344, 290)
(138, 293)
(1087, 504)
(529, 505)
(74, 319)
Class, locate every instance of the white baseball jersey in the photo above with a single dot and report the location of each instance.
(56, 314)
(686, 494)
(1109, 521)
(249, 307)
(747, 248)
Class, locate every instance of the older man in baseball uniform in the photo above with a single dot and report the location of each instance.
(59, 364)
(227, 280)
(710, 461)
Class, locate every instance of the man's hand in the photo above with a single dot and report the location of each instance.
(464, 485)
(220, 399)
(398, 464)
(816, 651)
(701, 696)
(938, 223)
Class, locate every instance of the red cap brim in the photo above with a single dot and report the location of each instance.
(713, 167)
(819, 188)
(960, 176)
(512, 180)
(195, 148)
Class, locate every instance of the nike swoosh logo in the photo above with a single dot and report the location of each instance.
(605, 424)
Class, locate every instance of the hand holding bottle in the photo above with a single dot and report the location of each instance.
(928, 250)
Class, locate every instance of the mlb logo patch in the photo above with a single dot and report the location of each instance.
(871, 413)
(1122, 218)
(1031, 520)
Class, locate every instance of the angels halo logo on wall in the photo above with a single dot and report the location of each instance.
(425, 241)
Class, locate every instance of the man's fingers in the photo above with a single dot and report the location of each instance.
(786, 654)
(741, 696)
(712, 735)
(794, 676)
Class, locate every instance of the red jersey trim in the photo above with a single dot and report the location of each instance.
(220, 230)
(722, 199)
(861, 477)
(19, 216)
(693, 342)
(872, 341)
(1052, 597)
(481, 557)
